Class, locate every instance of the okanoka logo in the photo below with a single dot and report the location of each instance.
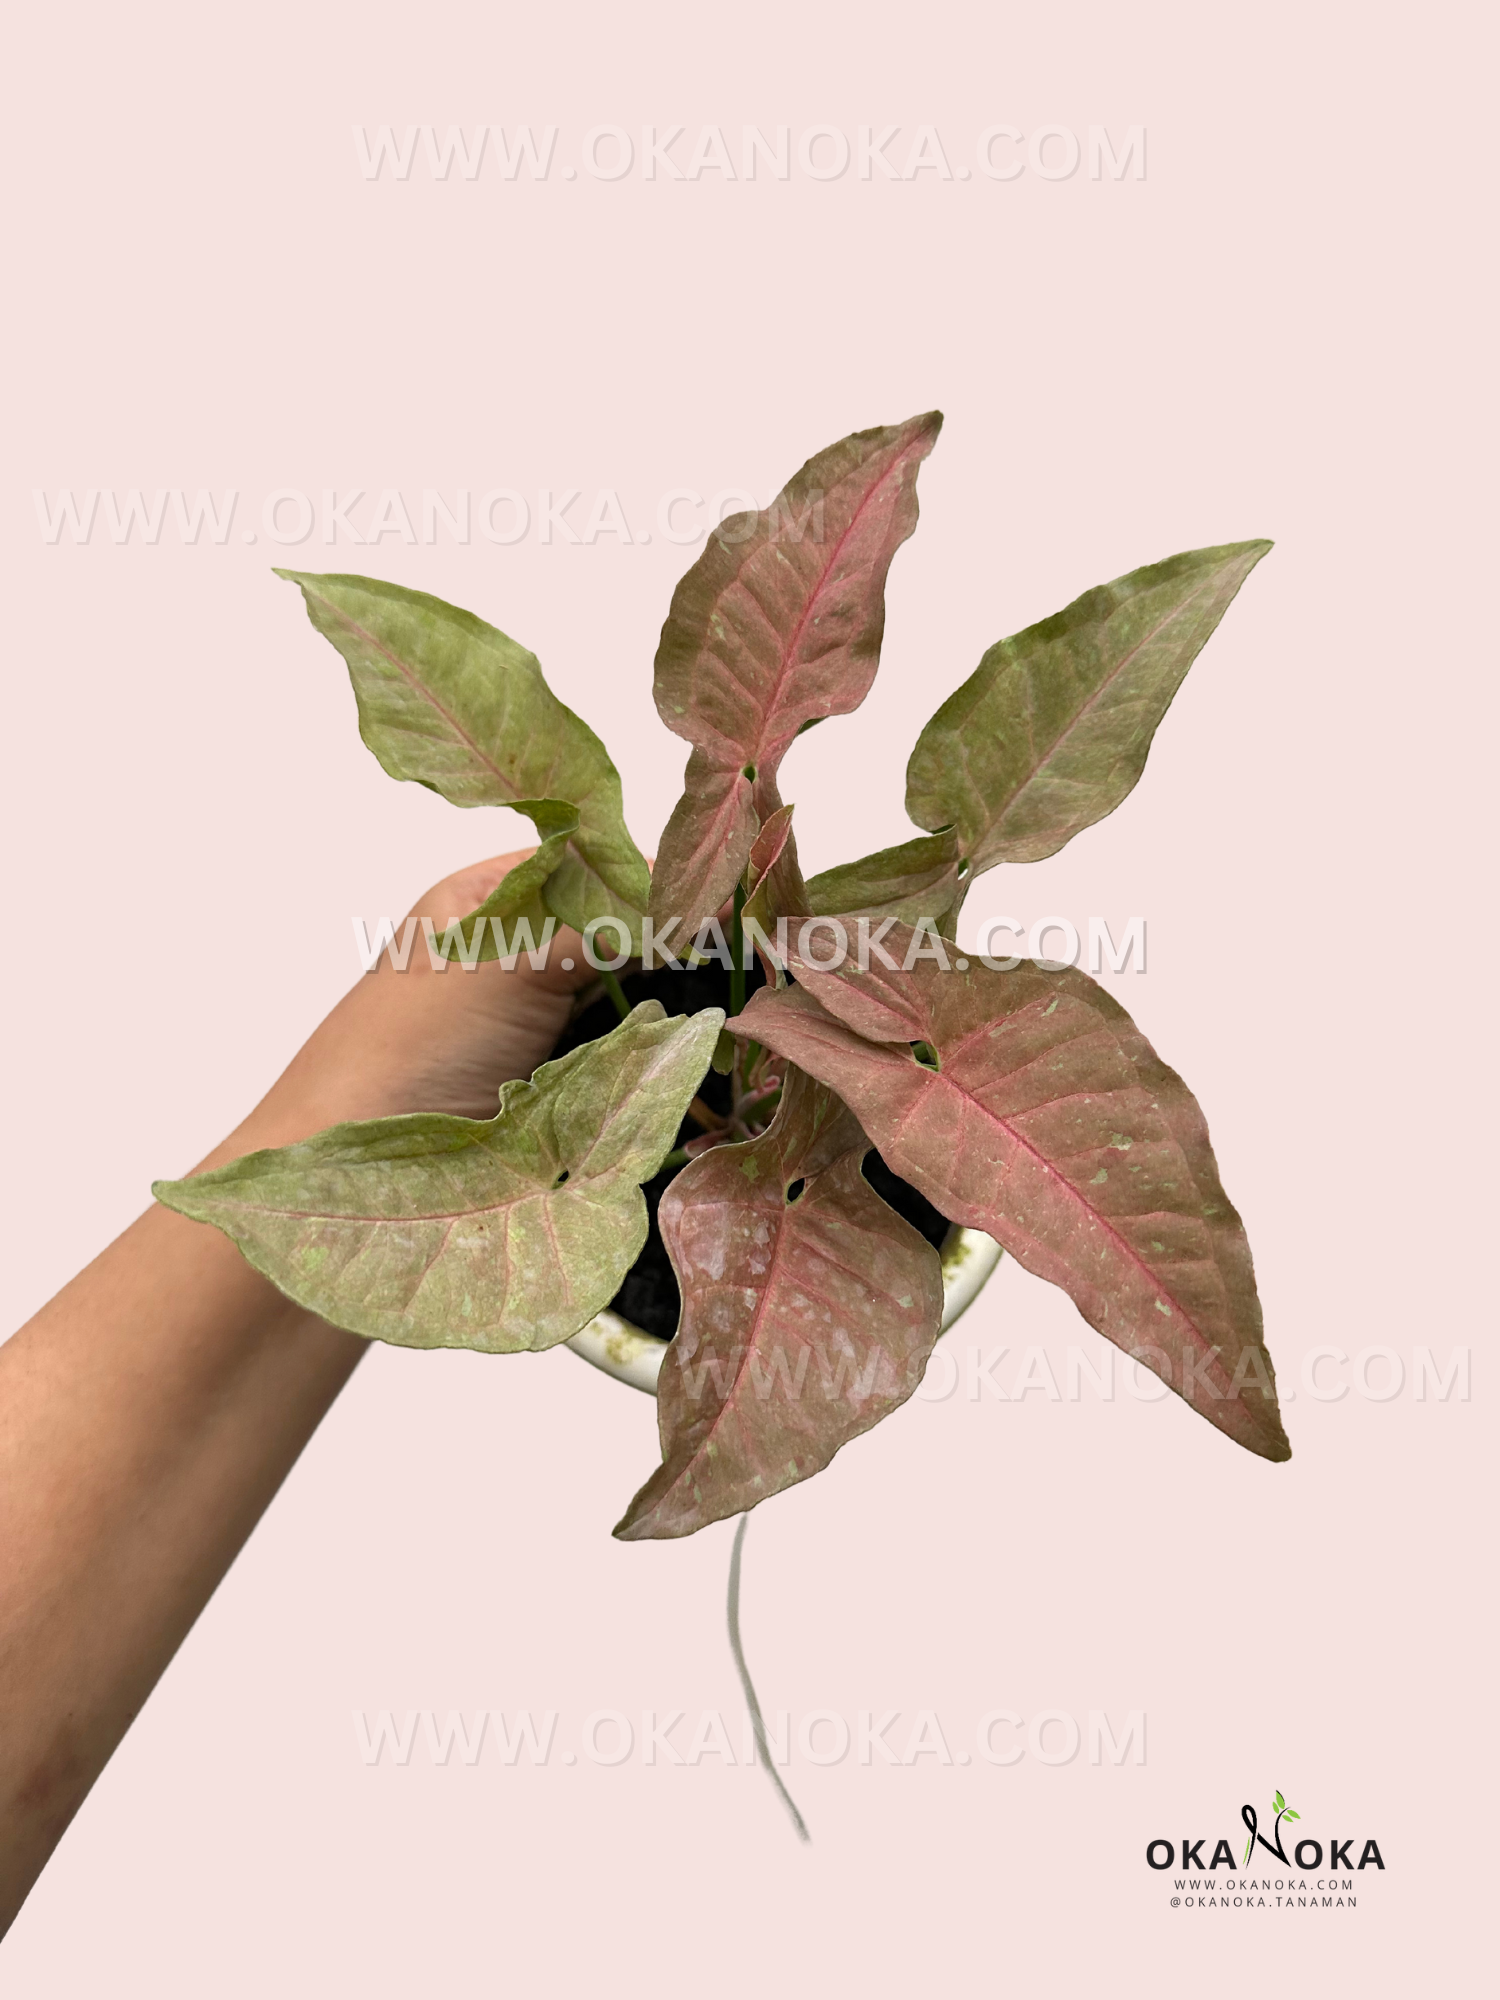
(1296, 1852)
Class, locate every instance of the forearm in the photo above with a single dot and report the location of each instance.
(149, 1413)
(147, 1417)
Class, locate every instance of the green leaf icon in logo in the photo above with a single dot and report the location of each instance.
(1289, 1814)
(1280, 1803)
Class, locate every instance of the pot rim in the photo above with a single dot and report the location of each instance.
(612, 1344)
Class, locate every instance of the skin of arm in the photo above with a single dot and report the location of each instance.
(149, 1413)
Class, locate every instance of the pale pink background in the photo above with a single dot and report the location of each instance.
(1278, 333)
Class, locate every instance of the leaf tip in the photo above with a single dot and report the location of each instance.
(1277, 1447)
(635, 1524)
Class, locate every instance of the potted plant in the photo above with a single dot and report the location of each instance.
(806, 1096)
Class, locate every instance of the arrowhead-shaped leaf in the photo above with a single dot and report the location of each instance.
(808, 1312)
(778, 624)
(1043, 1116)
(454, 704)
(920, 878)
(1051, 730)
(501, 1234)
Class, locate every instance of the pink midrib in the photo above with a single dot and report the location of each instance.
(731, 1399)
(576, 1176)
(1132, 1255)
(449, 1215)
(789, 651)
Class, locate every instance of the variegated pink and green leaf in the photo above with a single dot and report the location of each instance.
(1051, 730)
(777, 625)
(808, 1311)
(1027, 1104)
(920, 878)
(456, 705)
(1048, 734)
(503, 1234)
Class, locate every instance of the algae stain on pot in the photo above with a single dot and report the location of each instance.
(611, 1343)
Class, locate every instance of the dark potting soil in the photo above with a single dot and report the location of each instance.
(649, 1297)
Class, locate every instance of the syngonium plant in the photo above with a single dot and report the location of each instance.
(1020, 1100)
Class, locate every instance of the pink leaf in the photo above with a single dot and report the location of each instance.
(766, 850)
(777, 625)
(809, 1310)
(1049, 1122)
(773, 877)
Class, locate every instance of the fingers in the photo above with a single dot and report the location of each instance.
(463, 891)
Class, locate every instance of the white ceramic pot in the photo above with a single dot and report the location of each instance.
(622, 1350)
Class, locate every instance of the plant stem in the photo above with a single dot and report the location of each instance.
(737, 953)
(616, 993)
(679, 1157)
(737, 990)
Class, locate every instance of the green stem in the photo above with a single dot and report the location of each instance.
(737, 991)
(616, 993)
(737, 953)
(675, 1159)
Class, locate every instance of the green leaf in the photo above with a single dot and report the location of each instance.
(722, 1060)
(1051, 730)
(520, 896)
(502, 1234)
(808, 1311)
(1287, 1813)
(920, 878)
(777, 624)
(1049, 1122)
(452, 703)
(1280, 1802)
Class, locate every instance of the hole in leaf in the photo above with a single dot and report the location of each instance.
(749, 772)
(561, 1178)
(926, 1055)
(794, 1191)
(963, 869)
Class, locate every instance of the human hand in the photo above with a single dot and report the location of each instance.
(423, 1040)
